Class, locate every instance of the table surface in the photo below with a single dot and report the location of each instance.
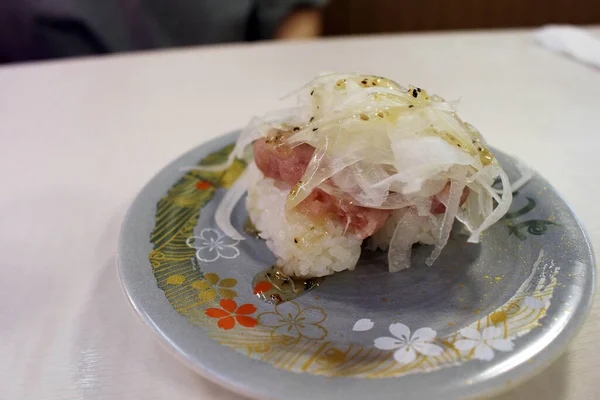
(79, 138)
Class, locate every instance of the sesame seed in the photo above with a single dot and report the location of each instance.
(364, 117)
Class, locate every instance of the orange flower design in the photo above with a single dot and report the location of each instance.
(230, 313)
(203, 185)
(261, 287)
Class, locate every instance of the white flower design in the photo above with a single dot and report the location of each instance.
(406, 346)
(484, 343)
(212, 245)
(362, 325)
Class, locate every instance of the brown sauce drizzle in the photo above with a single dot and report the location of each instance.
(274, 287)
(250, 229)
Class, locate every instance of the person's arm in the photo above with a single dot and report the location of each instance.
(300, 24)
(287, 19)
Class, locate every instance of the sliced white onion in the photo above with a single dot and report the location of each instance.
(405, 235)
(452, 204)
(359, 179)
(320, 168)
(526, 175)
(231, 198)
(464, 219)
(386, 148)
(499, 211)
(488, 188)
(394, 201)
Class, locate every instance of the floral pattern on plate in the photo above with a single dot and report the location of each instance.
(295, 337)
(212, 245)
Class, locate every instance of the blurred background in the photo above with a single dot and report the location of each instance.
(342, 17)
(33, 30)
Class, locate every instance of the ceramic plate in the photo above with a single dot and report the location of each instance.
(482, 318)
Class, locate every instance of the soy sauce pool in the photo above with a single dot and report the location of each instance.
(273, 286)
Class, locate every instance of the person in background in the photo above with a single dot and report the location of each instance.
(43, 29)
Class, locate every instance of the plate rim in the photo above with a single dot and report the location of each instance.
(493, 385)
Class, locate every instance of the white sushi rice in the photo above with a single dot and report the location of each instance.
(303, 246)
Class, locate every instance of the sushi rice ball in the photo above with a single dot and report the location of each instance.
(363, 158)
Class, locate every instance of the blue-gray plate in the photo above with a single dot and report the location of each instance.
(482, 318)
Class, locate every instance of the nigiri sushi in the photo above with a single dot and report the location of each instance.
(363, 158)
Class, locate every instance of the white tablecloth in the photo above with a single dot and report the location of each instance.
(79, 138)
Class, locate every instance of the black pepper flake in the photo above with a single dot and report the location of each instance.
(296, 129)
(296, 240)
(364, 82)
(312, 92)
(374, 83)
(410, 106)
(315, 129)
(480, 149)
(414, 93)
(311, 119)
(419, 90)
(459, 145)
